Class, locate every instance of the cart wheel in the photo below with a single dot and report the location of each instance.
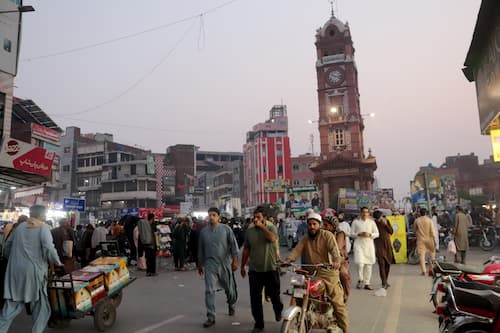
(116, 299)
(104, 315)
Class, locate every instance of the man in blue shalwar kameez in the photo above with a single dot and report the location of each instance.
(218, 259)
(29, 249)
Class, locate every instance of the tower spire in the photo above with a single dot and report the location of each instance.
(331, 4)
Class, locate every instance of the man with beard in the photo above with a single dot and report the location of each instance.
(217, 259)
(261, 248)
(319, 247)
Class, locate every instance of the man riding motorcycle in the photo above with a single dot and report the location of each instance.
(319, 246)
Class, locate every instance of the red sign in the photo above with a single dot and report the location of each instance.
(26, 157)
(143, 213)
(45, 133)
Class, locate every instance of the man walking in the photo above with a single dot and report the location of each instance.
(320, 247)
(217, 259)
(424, 231)
(383, 247)
(29, 249)
(260, 248)
(461, 236)
(148, 243)
(364, 231)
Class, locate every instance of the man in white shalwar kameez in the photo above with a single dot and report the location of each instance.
(364, 231)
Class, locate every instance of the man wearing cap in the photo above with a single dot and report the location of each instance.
(320, 247)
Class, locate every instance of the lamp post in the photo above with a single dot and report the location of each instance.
(22, 9)
(311, 136)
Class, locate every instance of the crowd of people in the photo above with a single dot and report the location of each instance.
(214, 247)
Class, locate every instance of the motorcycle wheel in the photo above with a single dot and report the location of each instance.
(291, 325)
(475, 328)
(486, 244)
(413, 257)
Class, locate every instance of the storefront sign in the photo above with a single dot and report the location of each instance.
(44, 133)
(495, 144)
(26, 157)
(74, 204)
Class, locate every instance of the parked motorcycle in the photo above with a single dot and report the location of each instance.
(310, 308)
(444, 236)
(489, 238)
(469, 307)
(489, 274)
(475, 234)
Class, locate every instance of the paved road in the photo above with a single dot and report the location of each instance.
(174, 302)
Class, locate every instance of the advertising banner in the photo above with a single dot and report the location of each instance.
(45, 133)
(74, 204)
(276, 185)
(398, 238)
(25, 157)
(351, 200)
(495, 144)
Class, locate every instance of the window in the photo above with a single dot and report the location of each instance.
(296, 182)
(119, 187)
(295, 167)
(331, 32)
(66, 168)
(133, 169)
(113, 158)
(67, 150)
(339, 137)
(279, 169)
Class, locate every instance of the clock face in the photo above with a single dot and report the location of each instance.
(335, 77)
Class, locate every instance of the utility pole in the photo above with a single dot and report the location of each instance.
(311, 140)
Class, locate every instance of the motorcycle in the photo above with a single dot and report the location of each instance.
(469, 307)
(489, 275)
(475, 234)
(412, 253)
(444, 236)
(310, 307)
(489, 238)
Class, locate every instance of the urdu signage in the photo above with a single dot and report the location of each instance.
(25, 157)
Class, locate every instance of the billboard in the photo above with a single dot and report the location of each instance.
(25, 157)
(431, 190)
(10, 24)
(276, 185)
(351, 200)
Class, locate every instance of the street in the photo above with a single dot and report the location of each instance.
(174, 302)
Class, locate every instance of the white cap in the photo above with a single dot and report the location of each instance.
(314, 216)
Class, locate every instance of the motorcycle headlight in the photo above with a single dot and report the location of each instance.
(298, 280)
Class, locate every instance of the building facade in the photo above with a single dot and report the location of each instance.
(342, 162)
(266, 161)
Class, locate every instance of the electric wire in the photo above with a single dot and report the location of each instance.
(136, 83)
(132, 35)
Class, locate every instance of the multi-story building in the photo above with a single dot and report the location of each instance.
(266, 160)
(107, 174)
(342, 162)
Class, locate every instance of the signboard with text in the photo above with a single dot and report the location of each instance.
(45, 133)
(26, 157)
(74, 204)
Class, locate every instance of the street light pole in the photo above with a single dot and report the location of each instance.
(22, 9)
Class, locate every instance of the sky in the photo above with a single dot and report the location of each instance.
(208, 80)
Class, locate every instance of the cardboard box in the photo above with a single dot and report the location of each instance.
(95, 283)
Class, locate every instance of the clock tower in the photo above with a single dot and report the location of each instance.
(342, 162)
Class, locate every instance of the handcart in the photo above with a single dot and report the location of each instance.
(92, 291)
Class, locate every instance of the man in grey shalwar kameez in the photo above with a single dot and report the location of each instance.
(30, 249)
(218, 259)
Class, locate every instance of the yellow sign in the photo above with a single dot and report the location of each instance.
(398, 238)
(495, 143)
(276, 185)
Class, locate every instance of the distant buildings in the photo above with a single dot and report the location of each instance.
(266, 161)
(460, 180)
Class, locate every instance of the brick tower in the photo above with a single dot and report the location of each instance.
(342, 162)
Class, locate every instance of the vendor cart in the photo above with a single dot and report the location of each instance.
(72, 297)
